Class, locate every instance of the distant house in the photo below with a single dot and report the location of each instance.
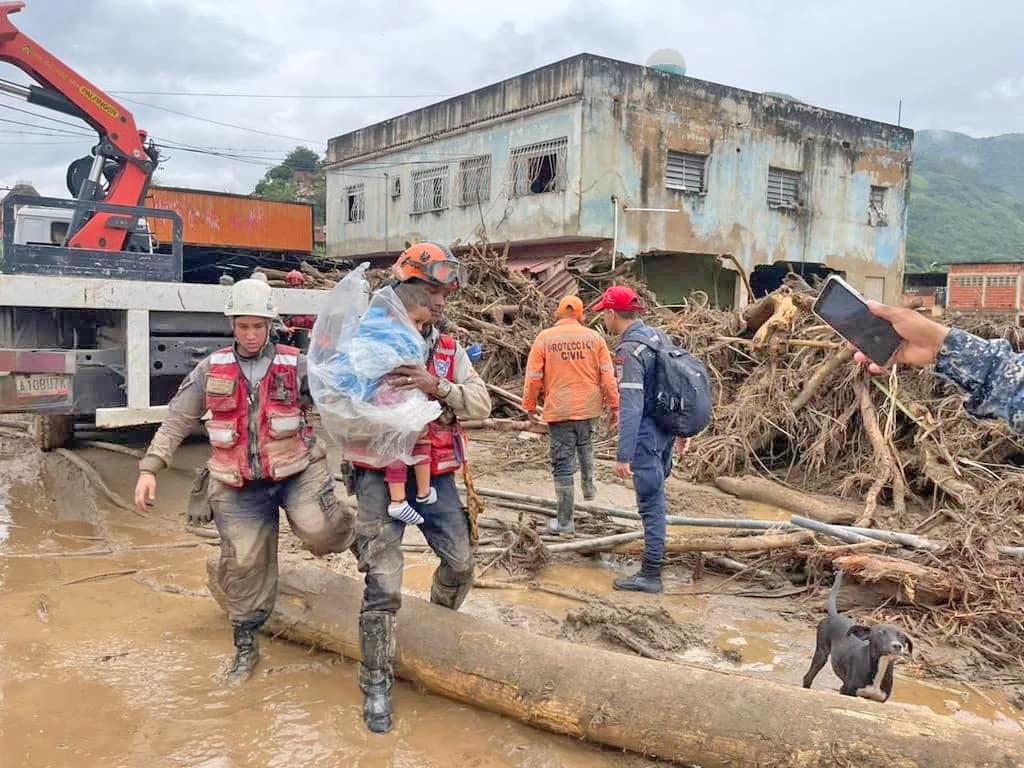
(592, 153)
(926, 289)
(989, 286)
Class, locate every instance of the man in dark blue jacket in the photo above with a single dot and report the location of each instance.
(645, 450)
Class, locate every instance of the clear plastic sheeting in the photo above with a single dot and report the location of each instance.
(357, 341)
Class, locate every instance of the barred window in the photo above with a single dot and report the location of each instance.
(685, 171)
(877, 198)
(430, 189)
(355, 203)
(783, 187)
(969, 281)
(474, 182)
(538, 168)
(1002, 281)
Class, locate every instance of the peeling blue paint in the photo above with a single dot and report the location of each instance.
(619, 130)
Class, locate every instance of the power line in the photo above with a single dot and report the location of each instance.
(222, 124)
(45, 132)
(56, 131)
(213, 94)
(79, 125)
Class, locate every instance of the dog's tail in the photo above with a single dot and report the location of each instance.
(836, 584)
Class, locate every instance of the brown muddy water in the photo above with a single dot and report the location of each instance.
(114, 658)
(111, 649)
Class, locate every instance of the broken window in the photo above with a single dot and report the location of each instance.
(876, 207)
(685, 171)
(538, 168)
(474, 184)
(783, 188)
(430, 189)
(355, 203)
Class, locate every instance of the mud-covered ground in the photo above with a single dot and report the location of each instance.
(111, 648)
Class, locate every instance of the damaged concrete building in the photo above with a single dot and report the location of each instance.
(592, 153)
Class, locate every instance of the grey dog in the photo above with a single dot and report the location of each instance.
(862, 657)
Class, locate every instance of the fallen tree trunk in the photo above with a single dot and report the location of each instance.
(915, 583)
(675, 543)
(686, 714)
(751, 488)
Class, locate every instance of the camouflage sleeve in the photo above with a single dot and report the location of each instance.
(991, 374)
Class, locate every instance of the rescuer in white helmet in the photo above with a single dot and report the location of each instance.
(253, 398)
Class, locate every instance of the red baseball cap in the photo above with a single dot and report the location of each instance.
(621, 298)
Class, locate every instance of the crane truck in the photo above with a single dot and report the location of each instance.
(97, 324)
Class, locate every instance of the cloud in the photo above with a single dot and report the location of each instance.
(1008, 90)
(924, 53)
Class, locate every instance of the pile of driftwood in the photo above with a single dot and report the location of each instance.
(791, 406)
(900, 449)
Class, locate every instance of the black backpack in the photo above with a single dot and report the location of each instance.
(681, 401)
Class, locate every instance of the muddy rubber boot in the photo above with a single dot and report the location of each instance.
(446, 596)
(647, 579)
(587, 475)
(376, 671)
(563, 524)
(247, 653)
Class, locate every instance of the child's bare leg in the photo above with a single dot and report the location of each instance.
(422, 473)
(397, 490)
(399, 507)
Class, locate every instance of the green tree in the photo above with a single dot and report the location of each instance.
(300, 178)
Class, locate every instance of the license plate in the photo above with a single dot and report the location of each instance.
(42, 385)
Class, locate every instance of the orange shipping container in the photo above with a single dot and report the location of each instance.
(221, 220)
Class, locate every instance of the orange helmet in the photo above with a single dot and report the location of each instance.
(430, 262)
(295, 279)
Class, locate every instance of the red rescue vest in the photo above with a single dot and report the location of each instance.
(272, 444)
(446, 446)
(446, 440)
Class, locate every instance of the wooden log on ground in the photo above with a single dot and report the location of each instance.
(915, 583)
(530, 503)
(674, 543)
(686, 714)
(823, 508)
(506, 425)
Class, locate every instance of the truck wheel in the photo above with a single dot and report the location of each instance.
(52, 432)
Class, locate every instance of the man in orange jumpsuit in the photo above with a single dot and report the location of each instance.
(571, 365)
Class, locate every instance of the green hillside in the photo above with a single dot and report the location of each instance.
(966, 199)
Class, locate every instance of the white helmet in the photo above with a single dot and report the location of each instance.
(251, 298)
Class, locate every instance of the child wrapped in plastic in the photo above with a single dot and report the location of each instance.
(355, 345)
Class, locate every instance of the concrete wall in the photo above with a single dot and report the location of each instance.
(621, 121)
(536, 218)
(633, 116)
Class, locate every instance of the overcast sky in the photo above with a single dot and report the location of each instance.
(957, 66)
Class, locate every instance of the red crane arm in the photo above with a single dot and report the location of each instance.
(120, 140)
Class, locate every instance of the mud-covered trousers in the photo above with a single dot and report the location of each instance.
(651, 464)
(571, 441)
(247, 519)
(379, 542)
